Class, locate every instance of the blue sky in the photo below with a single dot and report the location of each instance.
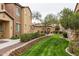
(48, 8)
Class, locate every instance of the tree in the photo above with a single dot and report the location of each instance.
(49, 20)
(70, 20)
(65, 17)
(36, 15)
(74, 25)
(74, 21)
(52, 19)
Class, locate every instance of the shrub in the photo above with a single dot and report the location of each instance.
(60, 32)
(57, 28)
(42, 34)
(25, 37)
(15, 37)
(65, 35)
(35, 35)
(55, 32)
(74, 47)
(30, 36)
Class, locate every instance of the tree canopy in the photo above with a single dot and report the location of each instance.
(64, 17)
(36, 15)
(50, 19)
(69, 19)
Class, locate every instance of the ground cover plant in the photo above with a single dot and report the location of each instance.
(51, 46)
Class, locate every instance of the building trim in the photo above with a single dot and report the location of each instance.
(21, 7)
(7, 14)
(76, 7)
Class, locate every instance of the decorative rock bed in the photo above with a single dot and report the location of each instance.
(20, 49)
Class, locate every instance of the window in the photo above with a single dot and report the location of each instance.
(17, 11)
(1, 27)
(17, 27)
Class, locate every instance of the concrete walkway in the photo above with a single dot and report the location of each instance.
(11, 44)
(8, 42)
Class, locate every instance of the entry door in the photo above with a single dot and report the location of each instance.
(6, 29)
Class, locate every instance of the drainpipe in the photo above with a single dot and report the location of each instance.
(13, 27)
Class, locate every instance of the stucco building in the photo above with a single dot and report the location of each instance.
(77, 7)
(14, 19)
(41, 28)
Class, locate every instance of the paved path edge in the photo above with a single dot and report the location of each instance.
(11, 51)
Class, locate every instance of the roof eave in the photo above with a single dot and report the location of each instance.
(7, 14)
(76, 7)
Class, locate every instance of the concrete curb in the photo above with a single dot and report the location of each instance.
(67, 50)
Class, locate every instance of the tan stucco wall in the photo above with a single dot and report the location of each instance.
(4, 17)
(0, 6)
(11, 28)
(36, 29)
(52, 29)
(41, 28)
(7, 26)
(26, 21)
(11, 9)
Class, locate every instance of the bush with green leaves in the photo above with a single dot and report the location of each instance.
(55, 32)
(25, 37)
(57, 28)
(35, 35)
(60, 32)
(42, 34)
(69, 19)
(65, 35)
(15, 37)
(30, 36)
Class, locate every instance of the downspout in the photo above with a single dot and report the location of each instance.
(13, 27)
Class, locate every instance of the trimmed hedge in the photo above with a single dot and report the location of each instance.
(64, 34)
(30, 36)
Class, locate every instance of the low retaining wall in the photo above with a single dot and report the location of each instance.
(20, 49)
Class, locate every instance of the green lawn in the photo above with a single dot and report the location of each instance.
(51, 46)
